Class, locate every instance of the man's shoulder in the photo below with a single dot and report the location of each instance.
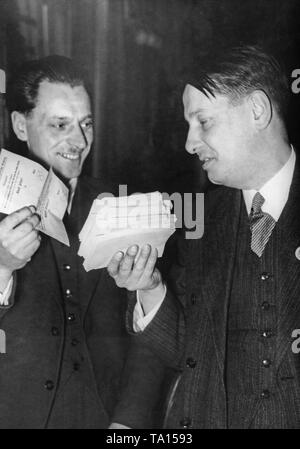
(219, 196)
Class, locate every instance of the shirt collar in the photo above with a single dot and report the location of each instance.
(275, 191)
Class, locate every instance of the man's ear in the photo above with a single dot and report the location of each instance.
(262, 110)
(19, 125)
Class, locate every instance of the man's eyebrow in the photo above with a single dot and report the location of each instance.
(59, 117)
(193, 113)
(62, 117)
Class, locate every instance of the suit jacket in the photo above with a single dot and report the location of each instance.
(189, 331)
(36, 328)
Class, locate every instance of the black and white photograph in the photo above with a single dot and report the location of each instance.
(149, 217)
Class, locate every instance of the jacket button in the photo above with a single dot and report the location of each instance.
(74, 342)
(71, 317)
(265, 394)
(267, 334)
(186, 423)
(191, 363)
(265, 305)
(193, 298)
(55, 331)
(68, 293)
(49, 385)
(266, 363)
(265, 276)
(66, 267)
(76, 366)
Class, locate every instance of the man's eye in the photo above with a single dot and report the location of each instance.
(60, 126)
(204, 122)
(87, 125)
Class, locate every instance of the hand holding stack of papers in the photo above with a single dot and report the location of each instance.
(114, 224)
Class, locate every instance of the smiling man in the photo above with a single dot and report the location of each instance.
(69, 362)
(59, 131)
(226, 316)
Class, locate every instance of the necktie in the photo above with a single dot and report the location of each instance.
(261, 225)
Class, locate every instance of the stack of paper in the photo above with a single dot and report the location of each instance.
(114, 224)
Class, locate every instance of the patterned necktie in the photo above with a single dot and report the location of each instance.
(261, 225)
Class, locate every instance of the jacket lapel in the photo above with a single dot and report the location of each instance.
(218, 253)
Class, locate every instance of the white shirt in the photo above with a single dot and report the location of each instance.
(275, 192)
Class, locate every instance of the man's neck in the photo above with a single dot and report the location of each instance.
(277, 155)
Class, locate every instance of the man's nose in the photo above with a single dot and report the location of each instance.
(192, 141)
(77, 137)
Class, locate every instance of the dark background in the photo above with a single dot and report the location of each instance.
(135, 52)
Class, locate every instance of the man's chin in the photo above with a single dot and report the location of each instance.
(214, 179)
(66, 175)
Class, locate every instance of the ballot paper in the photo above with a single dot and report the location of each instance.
(114, 224)
(24, 183)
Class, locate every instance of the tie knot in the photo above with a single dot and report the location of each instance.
(258, 201)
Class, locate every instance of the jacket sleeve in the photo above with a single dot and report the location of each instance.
(166, 332)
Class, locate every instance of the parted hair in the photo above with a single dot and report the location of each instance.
(238, 71)
(23, 86)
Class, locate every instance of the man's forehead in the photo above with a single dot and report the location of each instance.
(62, 98)
(194, 99)
(61, 91)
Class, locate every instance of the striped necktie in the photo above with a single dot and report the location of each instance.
(261, 225)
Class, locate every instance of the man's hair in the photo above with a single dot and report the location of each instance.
(23, 87)
(241, 70)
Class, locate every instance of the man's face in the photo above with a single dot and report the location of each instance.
(222, 135)
(60, 129)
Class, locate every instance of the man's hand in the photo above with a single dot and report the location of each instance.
(116, 425)
(135, 275)
(139, 275)
(19, 240)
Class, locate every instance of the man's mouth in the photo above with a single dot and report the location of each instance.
(206, 161)
(70, 156)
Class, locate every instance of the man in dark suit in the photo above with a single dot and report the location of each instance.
(69, 362)
(232, 302)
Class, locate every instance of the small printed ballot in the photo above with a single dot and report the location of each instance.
(24, 183)
(114, 224)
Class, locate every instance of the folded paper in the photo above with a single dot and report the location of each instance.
(24, 182)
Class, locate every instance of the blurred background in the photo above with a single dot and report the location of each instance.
(135, 52)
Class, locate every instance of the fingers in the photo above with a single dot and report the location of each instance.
(151, 261)
(114, 264)
(16, 218)
(120, 264)
(127, 262)
(31, 248)
(25, 247)
(132, 272)
(25, 228)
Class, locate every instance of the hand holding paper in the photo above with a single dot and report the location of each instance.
(115, 224)
(19, 240)
(23, 183)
